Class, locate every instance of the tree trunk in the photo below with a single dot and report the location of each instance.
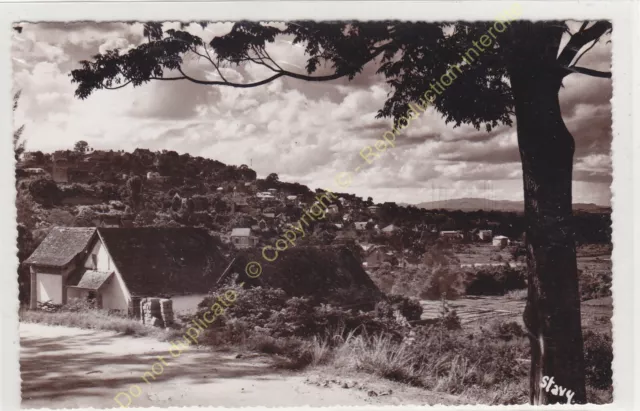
(552, 313)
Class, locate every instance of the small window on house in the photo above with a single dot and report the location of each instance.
(94, 261)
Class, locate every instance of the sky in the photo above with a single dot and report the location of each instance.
(305, 132)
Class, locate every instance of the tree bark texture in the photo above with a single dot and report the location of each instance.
(552, 313)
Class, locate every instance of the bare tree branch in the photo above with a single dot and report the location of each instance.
(585, 52)
(588, 71)
(580, 39)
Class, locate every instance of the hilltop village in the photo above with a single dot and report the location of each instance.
(107, 190)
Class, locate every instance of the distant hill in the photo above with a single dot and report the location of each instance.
(474, 204)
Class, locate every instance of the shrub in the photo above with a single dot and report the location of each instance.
(505, 331)
(44, 191)
(49, 307)
(410, 308)
(79, 305)
(594, 284)
(465, 359)
(96, 320)
(442, 279)
(598, 356)
(269, 312)
(496, 281)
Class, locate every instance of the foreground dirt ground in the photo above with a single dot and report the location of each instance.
(69, 368)
(65, 367)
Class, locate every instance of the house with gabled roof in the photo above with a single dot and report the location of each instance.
(118, 266)
(390, 229)
(361, 225)
(242, 237)
(375, 255)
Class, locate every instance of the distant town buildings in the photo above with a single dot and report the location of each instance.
(361, 225)
(376, 255)
(390, 229)
(333, 209)
(500, 241)
(485, 235)
(35, 171)
(452, 235)
(292, 200)
(242, 238)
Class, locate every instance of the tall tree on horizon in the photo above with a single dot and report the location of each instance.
(496, 70)
(18, 146)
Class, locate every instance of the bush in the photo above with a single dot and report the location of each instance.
(468, 359)
(49, 307)
(79, 305)
(410, 308)
(594, 285)
(44, 191)
(442, 280)
(449, 318)
(269, 312)
(598, 356)
(496, 281)
(96, 320)
(505, 331)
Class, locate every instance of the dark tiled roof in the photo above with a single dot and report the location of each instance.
(93, 280)
(156, 261)
(61, 245)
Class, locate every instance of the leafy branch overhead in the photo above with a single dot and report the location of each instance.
(411, 57)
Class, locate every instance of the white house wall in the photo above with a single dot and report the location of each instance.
(104, 262)
(114, 294)
(49, 288)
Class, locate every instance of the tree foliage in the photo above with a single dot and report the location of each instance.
(409, 55)
(518, 73)
(18, 146)
(134, 188)
(44, 191)
(81, 147)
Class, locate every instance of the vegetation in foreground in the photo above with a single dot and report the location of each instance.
(81, 314)
(488, 365)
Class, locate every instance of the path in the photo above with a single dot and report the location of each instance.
(69, 368)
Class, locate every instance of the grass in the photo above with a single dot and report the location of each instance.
(517, 294)
(96, 320)
(487, 366)
(446, 362)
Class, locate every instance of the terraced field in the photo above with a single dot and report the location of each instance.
(475, 311)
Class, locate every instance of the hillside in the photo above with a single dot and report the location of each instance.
(167, 189)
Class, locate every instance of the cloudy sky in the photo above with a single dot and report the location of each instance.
(304, 132)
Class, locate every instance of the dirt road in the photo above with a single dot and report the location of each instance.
(68, 368)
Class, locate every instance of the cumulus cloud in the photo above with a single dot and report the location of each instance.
(306, 132)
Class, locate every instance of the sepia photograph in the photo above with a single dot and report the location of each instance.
(314, 212)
